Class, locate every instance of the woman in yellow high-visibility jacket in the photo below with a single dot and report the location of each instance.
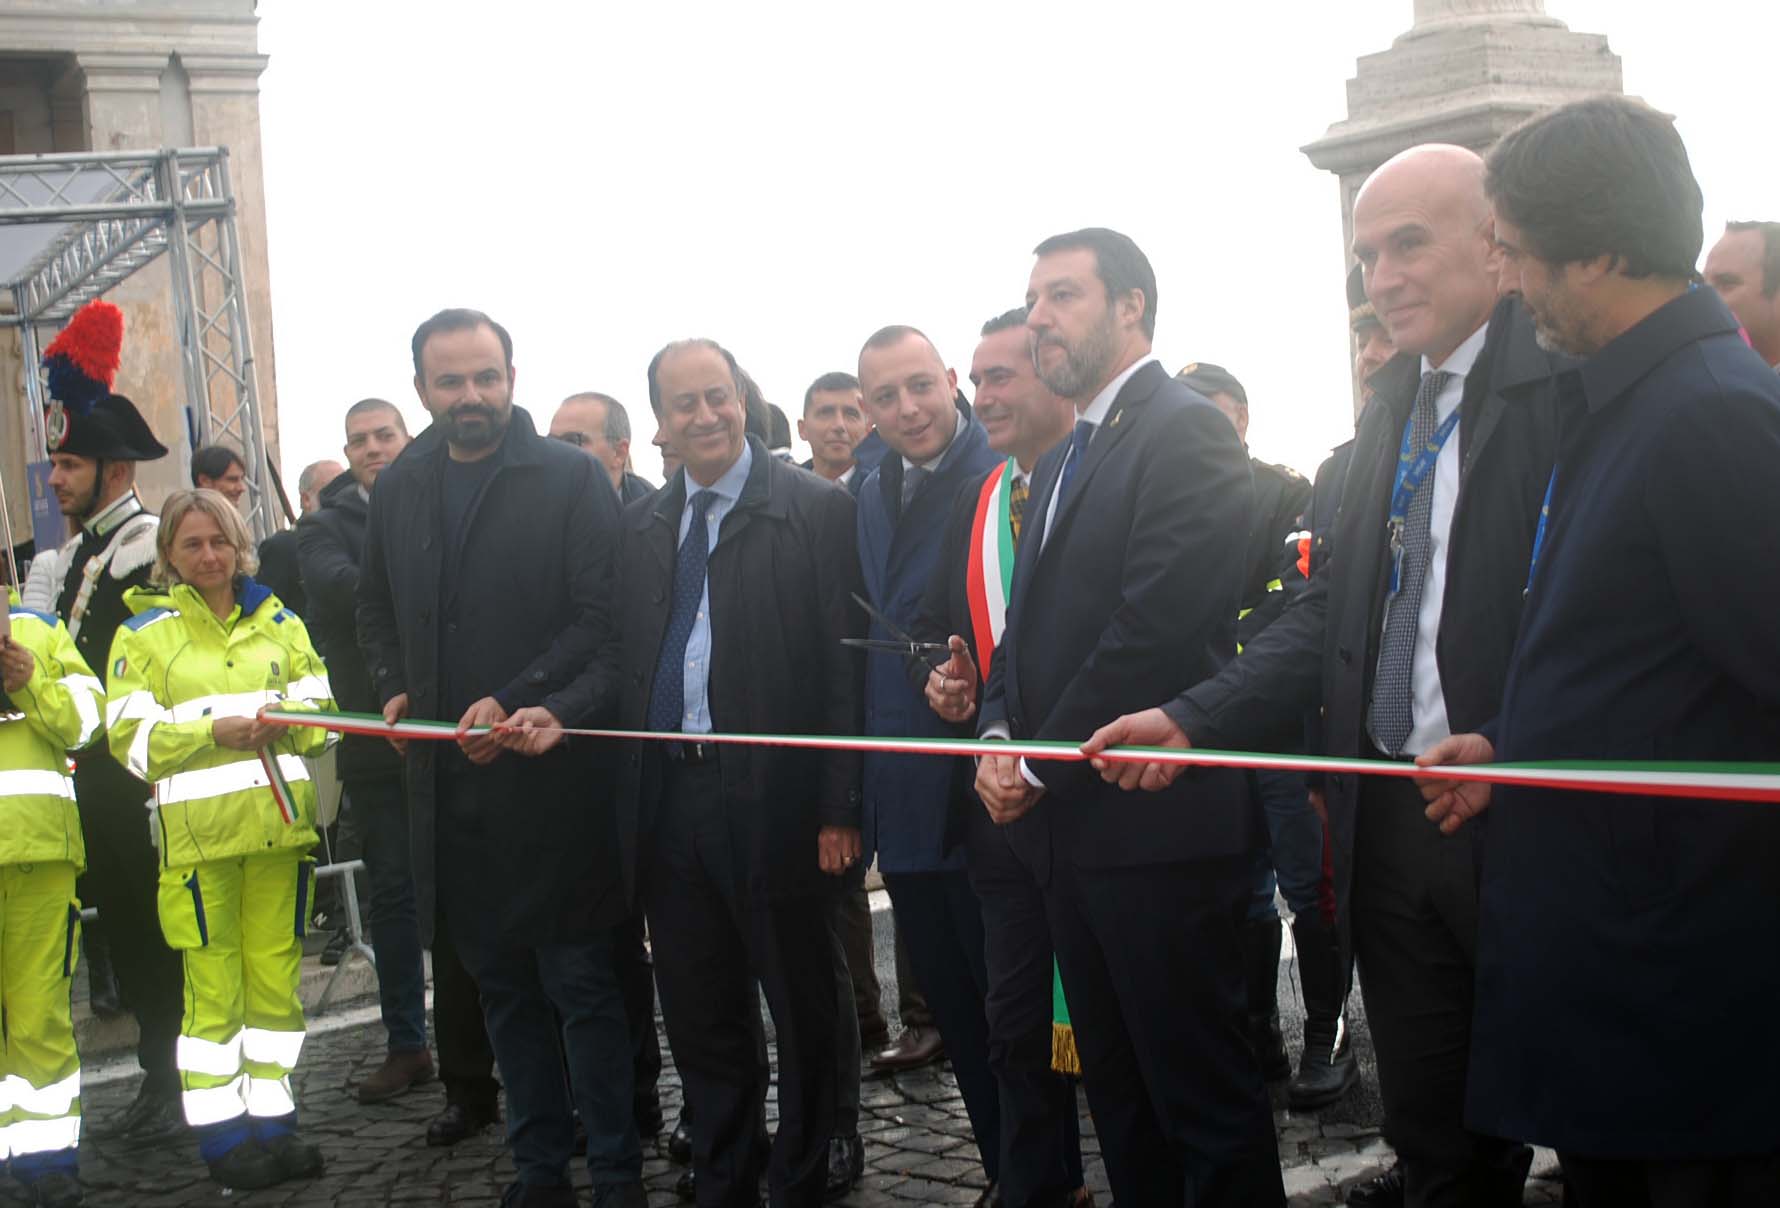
(234, 820)
(50, 704)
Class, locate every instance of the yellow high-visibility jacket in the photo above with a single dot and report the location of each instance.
(175, 668)
(57, 711)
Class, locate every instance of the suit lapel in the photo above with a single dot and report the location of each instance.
(1125, 414)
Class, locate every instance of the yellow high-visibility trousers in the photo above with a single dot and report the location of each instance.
(238, 924)
(39, 1068)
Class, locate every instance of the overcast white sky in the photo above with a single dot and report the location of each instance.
(786, 178)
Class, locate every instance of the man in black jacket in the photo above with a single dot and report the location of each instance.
(330, 546)
(1400, 655)
(1616, 928)
(1125, 586)
(486, 588)
(731, 609)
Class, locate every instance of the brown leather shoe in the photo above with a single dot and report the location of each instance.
(397, 1074)
(915, 1048)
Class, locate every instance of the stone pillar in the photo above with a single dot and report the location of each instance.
(1467, 72)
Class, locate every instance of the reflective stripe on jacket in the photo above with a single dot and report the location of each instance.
(59, 709)
(175, 669)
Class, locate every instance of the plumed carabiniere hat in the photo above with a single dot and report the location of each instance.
(84, 417)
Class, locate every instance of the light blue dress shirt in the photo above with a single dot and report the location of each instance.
(728, 489)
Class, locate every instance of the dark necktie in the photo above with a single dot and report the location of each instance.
(1393, 709)
(1078, 449)
(912, 478)
(1016, 505)
(667, 700)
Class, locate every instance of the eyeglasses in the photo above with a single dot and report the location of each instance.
(579, 439)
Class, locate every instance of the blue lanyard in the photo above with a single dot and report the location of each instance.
(1539, 533)
(1412, 471)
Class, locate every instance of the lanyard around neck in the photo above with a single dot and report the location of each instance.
(1413, 468)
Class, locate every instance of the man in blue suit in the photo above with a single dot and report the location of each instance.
(913, 803)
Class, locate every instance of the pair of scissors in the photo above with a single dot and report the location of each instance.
(904, 643)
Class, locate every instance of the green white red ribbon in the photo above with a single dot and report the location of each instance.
(281, 790)
(1717, 781)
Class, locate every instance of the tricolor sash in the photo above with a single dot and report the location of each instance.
(989, 579)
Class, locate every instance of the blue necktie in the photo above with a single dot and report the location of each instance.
(1078, 449)
(667, 700)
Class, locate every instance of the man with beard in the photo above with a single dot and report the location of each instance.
(1403, 637)
(1125, 586)
(93, 460)
(1614, 928)
(486, 588)
(1041, 1157)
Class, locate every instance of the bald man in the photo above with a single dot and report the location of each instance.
(1447, 536)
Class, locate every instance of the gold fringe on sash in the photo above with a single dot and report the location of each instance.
(1064, 1059)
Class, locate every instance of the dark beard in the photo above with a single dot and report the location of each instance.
(1084, 366)
(483, 430)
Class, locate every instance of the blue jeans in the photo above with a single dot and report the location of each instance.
(545, 1003)
(1294, 846)
(380, 807)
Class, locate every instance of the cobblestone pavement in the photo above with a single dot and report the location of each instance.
(918, 1142)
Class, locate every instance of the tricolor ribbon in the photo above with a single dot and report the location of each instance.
(281, 790)
(1717, 781)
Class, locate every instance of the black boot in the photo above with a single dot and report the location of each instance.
(103, 995)
(1328, 1069)
(1260, 975)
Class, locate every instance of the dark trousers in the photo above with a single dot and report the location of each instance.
(122, 876)
(1152, 966)
(942, 923)
(1041, 1152)
(1415, 938)
(911, 1004)
(1752, 1182)
(1293, 860)
(636, 973)
(846, 1029)
(380, 806)
(856, 937)
(466, 1060)
(549, 1004)
(711, 943)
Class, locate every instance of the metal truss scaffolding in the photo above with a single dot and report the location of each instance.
(111, 213)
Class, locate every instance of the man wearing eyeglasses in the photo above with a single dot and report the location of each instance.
(599, 426)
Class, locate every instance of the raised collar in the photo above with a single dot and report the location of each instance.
(1625, 360)
(114, 514)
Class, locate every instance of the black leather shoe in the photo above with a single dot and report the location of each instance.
(913, 1049)
(1327, 1071)
(679, 1145)
(335, 952)
(296, 1158)
(620, 1195)
(846, 1165)
(457, 1122)
(247, 1167)
(155, 1116)
(686, 1187)
(1381, 1191)
(539, 1195)
(991, 1197)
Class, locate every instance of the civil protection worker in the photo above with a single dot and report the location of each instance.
(50, 704)
(233, 818)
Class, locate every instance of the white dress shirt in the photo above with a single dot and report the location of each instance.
(1427, 699)
(696, 676)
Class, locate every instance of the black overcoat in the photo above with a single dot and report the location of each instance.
(531, 613)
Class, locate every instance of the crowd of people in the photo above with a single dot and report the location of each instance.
(1536, 546)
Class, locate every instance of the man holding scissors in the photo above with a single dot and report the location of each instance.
(915, 804)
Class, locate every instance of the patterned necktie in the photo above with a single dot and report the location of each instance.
(667, 700)
(1393, 692)
(1016, 505)
(912, 477)
(1078, 449)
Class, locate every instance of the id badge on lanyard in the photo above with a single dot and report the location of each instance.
(1413, 468)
